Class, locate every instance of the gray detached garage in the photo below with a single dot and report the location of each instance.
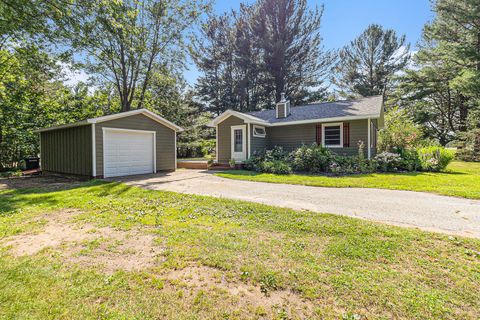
(128, 143)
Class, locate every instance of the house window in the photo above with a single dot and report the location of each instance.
(259, 131)
(333, 135)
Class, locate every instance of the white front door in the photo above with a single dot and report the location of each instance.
(128, 152)
(239, 143)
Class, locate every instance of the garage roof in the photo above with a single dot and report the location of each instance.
(145, 112)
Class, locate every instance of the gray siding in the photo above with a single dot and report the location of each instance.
(224, 143)
(257, 144)
(67, 151)
(292, 136)
(165, 143)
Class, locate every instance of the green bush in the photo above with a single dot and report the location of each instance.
(276, 167)
(271, 161)
(388, 161)
(435, 158)
(195, 149)
(313, 158)
(400, 131)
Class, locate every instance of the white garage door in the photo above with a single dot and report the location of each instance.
(127, 152)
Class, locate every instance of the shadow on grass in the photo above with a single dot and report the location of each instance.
(50, 196)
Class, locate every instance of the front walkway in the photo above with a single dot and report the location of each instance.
(403, 208)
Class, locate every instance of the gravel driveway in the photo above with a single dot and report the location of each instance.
(403, 208)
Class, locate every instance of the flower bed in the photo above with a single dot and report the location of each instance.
(317, 159)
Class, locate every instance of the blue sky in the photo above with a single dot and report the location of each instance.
(343, 20)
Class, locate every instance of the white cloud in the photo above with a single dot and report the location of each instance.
(71, 76)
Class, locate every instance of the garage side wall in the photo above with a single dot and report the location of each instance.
(165, 143)
(67, 151)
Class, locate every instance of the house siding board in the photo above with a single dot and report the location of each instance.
(257, 144)
(293, 136)
(67, 151)
(224, 138)
(165, 139)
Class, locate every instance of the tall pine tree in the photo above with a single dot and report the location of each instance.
(366, 66)
(248, 58)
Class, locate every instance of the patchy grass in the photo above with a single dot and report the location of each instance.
(461, 179)
(226, 259)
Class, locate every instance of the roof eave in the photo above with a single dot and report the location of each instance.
(245, 117)
(145, 112)
(332, 119)
(63, 126)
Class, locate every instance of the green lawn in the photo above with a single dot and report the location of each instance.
(461, 179)
(225, 259)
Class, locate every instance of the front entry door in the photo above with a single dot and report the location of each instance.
(239, 143)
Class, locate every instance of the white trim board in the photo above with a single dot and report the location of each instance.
(145, 112)
(259, 135)
(341, 134)
(94, 152)
(254, 120)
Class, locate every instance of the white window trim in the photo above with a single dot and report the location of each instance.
(341, 134)
(259, 135)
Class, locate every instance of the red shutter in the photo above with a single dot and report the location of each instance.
(319, 135)
(346, 134)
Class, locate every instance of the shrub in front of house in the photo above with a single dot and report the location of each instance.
(276, 167)
(312, 158)
(435, 158)
(276, 160)
(317, 159)
(388, 161)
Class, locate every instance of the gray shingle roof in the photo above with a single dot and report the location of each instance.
(370, 106)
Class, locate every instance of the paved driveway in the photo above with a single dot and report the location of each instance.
(404, 208)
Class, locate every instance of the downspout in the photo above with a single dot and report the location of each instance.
(369, 151)
(248, 141)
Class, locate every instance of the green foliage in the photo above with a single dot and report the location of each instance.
(31, 97)
(197, 149)
(435, 158)
(249, 57)
(313, 158)
(268, 282)
(365, 67)
(442, 89)
(468, 145)
(130, 42)
(275, 160)
(399, 132)
(388, 161)
(275, 166)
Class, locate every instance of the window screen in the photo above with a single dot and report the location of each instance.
(332, 135)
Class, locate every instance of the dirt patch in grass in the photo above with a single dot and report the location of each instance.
(46, 182)
(244, 294)
(84, 244)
